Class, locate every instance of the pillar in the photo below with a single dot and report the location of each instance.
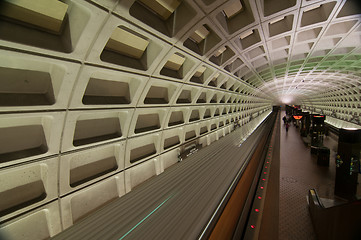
(347, 160)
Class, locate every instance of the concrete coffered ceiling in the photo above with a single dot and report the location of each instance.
(295, 50)
(97, 96)
(301, 52)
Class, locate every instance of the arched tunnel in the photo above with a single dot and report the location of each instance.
(97, 97)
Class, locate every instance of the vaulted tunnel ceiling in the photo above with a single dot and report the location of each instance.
(287, 51)
(293, 50)
(302, 52)
(96, 96)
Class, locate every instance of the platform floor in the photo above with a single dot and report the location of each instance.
(299, 172)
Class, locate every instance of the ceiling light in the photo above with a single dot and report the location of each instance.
(233, 8)
(175, 62)
(277, 20)
(312, 8)
(246, 34)
(200, 71)
(164, 8)
(200, 34)
(220, 51)
(286, 99)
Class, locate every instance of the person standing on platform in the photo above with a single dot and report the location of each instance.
(287, 126)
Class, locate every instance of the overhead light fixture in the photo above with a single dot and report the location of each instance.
(312, 7)
(127, 43)
(175, 62)
(45, 14)
(200, 34)
(277, 20)
(246, 34)
(220, 51)
(233, 9)
(199, 71)
(163, 8)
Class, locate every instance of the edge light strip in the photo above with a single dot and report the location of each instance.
(145, 218)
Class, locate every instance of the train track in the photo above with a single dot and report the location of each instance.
(179, 203)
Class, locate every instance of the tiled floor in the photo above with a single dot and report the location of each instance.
(299, 172)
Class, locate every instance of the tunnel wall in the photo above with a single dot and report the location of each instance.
(84, 120)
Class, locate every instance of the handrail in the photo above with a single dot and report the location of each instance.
(340, 221)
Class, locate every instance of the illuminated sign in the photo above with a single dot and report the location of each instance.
(297, 117)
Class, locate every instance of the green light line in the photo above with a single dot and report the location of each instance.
(145, 218)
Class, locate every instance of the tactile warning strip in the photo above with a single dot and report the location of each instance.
(253, 226)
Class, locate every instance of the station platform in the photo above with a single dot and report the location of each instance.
(299, 173)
